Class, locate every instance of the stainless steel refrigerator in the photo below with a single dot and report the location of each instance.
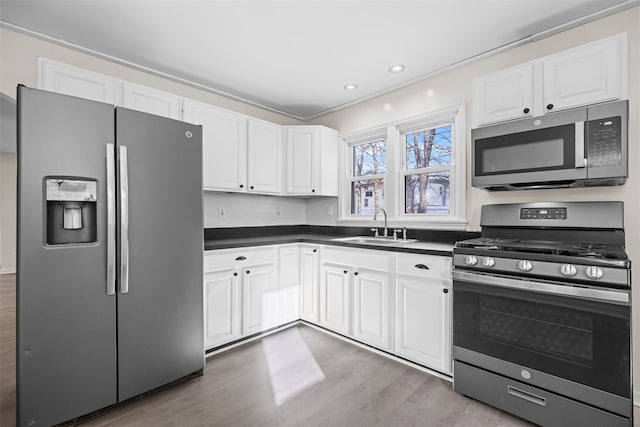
(110, 246)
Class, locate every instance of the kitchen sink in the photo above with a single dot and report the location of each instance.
(370, 240)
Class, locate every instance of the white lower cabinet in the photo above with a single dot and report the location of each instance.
(309, 282)
(260, 298)
(423, 332)
(288, 284)
(335, 309)
(222, 307)
(373, 308)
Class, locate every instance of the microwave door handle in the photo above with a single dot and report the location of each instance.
(581, 160)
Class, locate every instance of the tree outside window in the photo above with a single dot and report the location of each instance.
(367, 177)
(427, 171)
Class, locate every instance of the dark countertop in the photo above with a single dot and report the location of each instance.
(441, 244)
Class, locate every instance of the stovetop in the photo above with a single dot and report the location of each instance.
(595, 251)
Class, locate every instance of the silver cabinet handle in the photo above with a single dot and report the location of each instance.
(529, 397)
(124, 221)
(111, 220)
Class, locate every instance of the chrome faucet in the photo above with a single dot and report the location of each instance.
(375, 217)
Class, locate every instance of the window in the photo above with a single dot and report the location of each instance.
(368, 168)
(427, 170)
(414, 169)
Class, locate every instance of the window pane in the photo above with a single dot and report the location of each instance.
(427, 193)
(428, 147)
(369, 158)
(367, 196)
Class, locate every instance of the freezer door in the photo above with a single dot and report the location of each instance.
(66, 321)
(160, 315)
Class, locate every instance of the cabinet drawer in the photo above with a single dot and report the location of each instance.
(223, 259)
(424, 266)
(372, 260)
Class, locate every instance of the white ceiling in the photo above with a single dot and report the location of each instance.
(295, 56)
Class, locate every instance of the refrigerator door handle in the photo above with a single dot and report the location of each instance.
(124, 221)
(111, 220)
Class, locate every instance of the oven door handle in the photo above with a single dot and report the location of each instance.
(545, 288)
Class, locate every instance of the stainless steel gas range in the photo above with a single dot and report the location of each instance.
(542, 313)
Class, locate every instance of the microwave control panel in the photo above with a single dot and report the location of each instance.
(604, 145)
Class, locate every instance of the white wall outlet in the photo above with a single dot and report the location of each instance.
(277, 212)
(330, 211)
(222, 213)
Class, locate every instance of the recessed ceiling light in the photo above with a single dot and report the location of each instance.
(350, 87)
(396, 68)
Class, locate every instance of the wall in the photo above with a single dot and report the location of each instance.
(18, 64)
(7, 212)
(455, 87)
(252, 210)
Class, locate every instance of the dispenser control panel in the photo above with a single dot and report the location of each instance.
(67, 190)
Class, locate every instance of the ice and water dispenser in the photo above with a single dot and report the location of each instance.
(71, 211)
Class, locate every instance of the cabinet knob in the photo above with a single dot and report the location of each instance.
(526, 111)
(251, 187)
(356, 273)
(315, 250)
(248, 271)
(345, 271)
(549, 106)
(241, 185)
(235, 274)
(313, 190)
(446, 291)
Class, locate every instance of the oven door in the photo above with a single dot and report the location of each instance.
(570, 335)
(531, 152)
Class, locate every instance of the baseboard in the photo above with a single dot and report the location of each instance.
(636, 397)
(7, 270)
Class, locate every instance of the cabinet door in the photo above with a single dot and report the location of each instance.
(584, 75)
(423, 325)
(149, 100)
(260, 298)
(224, 146)
(302, 159)
(373, 308)
(504, 95)
(66, 79)
(334, 298)
(309, 278)
(265, 157)
(288, 284)
(222, 307)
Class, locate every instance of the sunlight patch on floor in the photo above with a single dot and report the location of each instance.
(292, 367)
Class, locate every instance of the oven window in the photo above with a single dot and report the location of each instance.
(583, 341)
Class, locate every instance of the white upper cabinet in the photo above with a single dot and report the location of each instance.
(587, 74)
(504, 95)
(69, 80)
(312, 161)
(584, 75)
(264, 157)
(149, 100)
(224, 146)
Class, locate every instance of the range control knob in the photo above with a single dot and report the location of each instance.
(470, 260)
(568, 270)
(488, 262)
(594, 273)
(524, 265)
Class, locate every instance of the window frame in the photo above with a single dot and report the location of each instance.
(351, 178)
(395, 172)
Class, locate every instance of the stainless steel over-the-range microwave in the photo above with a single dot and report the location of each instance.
(580, 147)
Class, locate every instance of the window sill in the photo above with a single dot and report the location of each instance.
(458, 224)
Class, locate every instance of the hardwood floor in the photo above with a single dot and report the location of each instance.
(298, 377)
